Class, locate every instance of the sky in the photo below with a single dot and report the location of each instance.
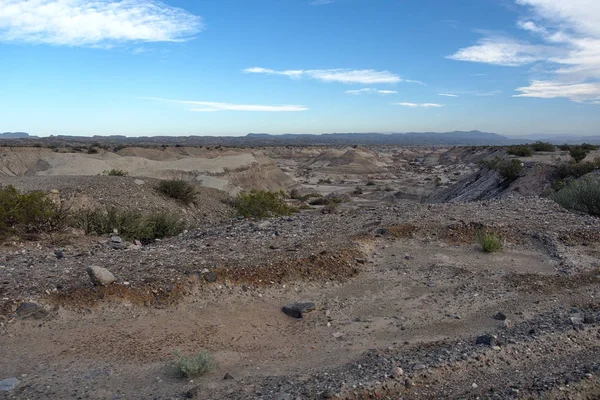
(230, 67)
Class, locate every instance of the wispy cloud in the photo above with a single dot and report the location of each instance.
(489, 93)
(447, 95)
(348, 76)
(370, 90)
(565, 47)
(320, 2)
(211, 106)
(94, 23)
(415, 105)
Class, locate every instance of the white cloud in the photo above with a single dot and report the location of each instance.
(370, 90)
(415, 105)
(565, 46)
(362, 76)
(94, 23)
(447, 95)
(211, 106)
(320, 2)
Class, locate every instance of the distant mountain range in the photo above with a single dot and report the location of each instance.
(456, 138)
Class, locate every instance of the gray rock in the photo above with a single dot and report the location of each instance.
(100, 276)
(118, 245)
(500, 316)
(488, 340)
(589, 319)
(8, 384)
(228, 377)
(210, 277)
(408, 383)
(31, 310)
(296, 310)
(116, 239)
(577, 320)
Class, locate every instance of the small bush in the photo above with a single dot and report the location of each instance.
(564, 147)
(129, 224)
(327, 181)
(575, 170)
(192, 366)
(23, 213)
(177, 189)
(117, 172)
(542, 146)
(589, 147)
(489, 242)
(510, 170)
(582, 195)
(261, 204)
(578, 153)
(491, 163)
(520, 151)
(92, 150)
(327, 200)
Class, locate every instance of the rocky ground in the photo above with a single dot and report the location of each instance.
(404, 305)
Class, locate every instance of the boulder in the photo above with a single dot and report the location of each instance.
(8, 384)
(100, 276)
(31, 310)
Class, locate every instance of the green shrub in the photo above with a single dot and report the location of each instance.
(564, 147)
(22, 213)
(261, 204)
(489, 242)
(510, 170)
(542, 146)
(177, 189)
(575, 170)
(578, 153)
(589, 147)
(192, 366)
(92, 150)
(327, 200)
(582, 195)
(519, 151)
(491, 163)
(117, 172)
(129, 224)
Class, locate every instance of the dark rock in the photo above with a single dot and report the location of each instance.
(409, 383)
(210, 277)
(59, 254)
(192, 393)
(31, 310)
(360, 260)
(227, 377)
(500, 316)
(488, 340)
(296, 310)
(328, 394)
(532, 331)
(589, 319)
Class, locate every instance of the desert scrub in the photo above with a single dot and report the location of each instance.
(510, 170)
(578, 153)
(129, 224)
(489, 242)
(23, 213)
(177, 189)
(520, 151)
(542, 146)
(581, 195)
(261, 204)
(116, 172)
(192, 366)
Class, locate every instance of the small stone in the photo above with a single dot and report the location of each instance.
(486, 339)
(59, 254)
(31, 310)
(506, 323)
(100, 276)
(116, 239)
(210, 277)
(474, 385)
(360, 260)
(589, 319)
(397, 372)
(500, 316)
(192, 393)
(139, 182)
(408, 383)
(227, 377)
(296, 310)
(338, 335)
(577, 320)
(8, 384)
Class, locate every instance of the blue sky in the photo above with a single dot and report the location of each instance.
(229, 67)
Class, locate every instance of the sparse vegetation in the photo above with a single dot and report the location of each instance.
(262, 204)
(489, 242)
(510, 170)
(129, 224)
(177, 189)
(581, 195)
(520, 151)
(370, 183)
(117, 172)
(192, 366)
(327, 200)
(542, 146)
(578, 153)
(25, 213)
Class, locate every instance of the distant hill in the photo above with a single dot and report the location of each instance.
(14, 135)
(411, 138)
(560, 139)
